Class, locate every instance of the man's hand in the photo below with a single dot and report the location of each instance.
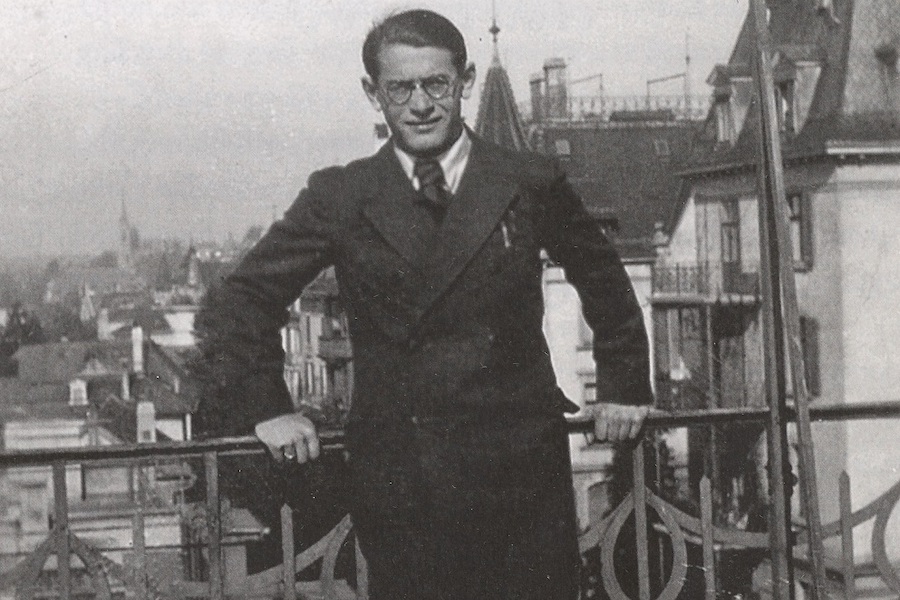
(290, 437)
(618, 422)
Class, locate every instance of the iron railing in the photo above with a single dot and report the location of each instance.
(706, 281)
(601, 108)
(655, 519)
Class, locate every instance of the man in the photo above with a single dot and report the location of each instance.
(460, 475)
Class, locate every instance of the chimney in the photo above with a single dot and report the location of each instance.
(537, 97)
(137, 349)
(126, 387)
(557, 88)
(104, 330)
(78, 392)
(146, 422)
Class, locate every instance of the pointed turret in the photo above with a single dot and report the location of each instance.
(498, 117)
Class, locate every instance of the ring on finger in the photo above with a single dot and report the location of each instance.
(289, 452)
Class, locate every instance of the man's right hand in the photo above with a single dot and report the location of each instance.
(290, 437)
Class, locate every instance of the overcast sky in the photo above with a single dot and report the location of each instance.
(207, 116)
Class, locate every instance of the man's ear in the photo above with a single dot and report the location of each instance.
(468, 78)
(371, 91)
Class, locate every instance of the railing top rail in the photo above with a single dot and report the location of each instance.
(334, 440)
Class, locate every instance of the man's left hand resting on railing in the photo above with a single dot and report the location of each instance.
(290, 437)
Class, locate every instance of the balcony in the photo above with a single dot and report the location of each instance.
(592, 109)
(692, 543)
(335, 349)
(705, 283)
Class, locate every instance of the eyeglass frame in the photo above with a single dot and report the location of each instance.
(420, 83)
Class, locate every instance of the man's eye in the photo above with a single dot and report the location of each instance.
(400, 86)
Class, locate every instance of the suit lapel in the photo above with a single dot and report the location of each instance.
(485, 192)
(389, 202)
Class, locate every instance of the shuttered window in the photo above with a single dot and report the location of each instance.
(809, 339)
(801, 230)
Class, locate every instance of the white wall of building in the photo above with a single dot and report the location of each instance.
(869, 200)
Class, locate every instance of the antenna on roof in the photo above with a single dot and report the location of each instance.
(494, 29)
(687, 68)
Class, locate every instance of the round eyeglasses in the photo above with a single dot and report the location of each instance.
(436, 87)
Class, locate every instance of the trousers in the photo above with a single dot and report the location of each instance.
(465, 508)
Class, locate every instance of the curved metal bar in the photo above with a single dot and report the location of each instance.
(869, 511)
(329, 560)
(608, 549)
(94, 562)
(879, 552)
(679, 549)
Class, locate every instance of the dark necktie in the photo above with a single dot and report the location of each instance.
(432, 187)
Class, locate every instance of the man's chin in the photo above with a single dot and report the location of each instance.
(425, 145)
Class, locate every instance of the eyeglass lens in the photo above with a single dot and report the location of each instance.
(399, 92)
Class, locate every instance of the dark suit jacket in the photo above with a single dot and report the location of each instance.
(442, 321)
(455, 432)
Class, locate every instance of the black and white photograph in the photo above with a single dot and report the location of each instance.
(449, 300)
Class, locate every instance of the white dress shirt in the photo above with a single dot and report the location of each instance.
(453, 162)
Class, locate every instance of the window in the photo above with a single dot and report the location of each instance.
(801, 230)
(107, 483)
(725, 129)
(588, 388)
(309, 379)
(809, 340)
(563, 148)
(731, 239)
(785, 106)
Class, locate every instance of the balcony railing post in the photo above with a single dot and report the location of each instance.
(287, 552)
(706, 518)
(140, 544)
(847, 537)
(61, 529)
(214, 527)
(640, 520)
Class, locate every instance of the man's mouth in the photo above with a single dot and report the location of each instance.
(423, 125)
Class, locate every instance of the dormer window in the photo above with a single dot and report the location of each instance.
(785, 106)
(78, 392)
(725, 129)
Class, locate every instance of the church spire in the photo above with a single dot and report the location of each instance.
(498, 116)
(494, 31)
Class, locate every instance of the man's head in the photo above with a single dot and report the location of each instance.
(417, 76)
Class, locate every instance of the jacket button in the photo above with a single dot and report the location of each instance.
(414, 420)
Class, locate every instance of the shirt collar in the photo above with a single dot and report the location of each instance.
(453, 162)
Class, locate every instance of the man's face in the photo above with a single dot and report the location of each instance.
(425, 124)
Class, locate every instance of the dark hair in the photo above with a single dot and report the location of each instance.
(419, 28)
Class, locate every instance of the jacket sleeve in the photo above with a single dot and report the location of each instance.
(240, 368)
(574, 241)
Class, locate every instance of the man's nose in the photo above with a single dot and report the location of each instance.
(420, 103)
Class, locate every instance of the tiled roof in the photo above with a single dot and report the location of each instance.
(73, 278)
(627, 171)
(59, 362)
(498, 117)
(324, 285)
(856, 98)
(163, 396)
(21, 400)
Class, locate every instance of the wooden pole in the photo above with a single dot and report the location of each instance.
(781, 322)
